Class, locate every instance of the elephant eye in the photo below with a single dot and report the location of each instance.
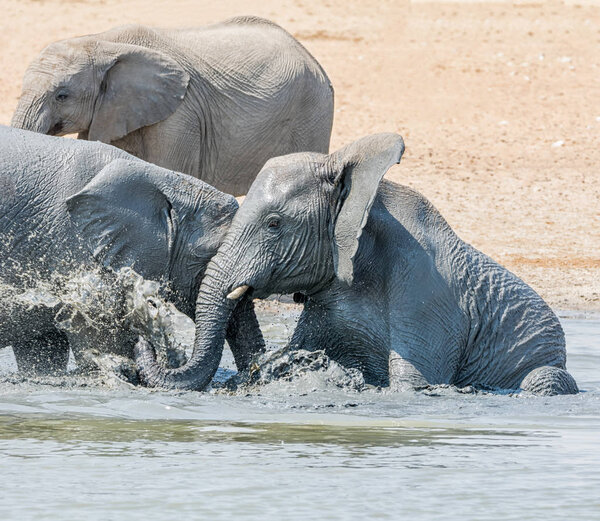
(273, 223)
(62, 95)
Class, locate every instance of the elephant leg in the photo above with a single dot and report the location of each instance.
(39, 347)
(316, 331)
(310, 334)
(43, 354)
(404, 376)
(84, 350)
(549, 381)
(241, 334)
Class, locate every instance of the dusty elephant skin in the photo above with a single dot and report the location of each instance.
(388, 286)
(67, 204)
(215, 102)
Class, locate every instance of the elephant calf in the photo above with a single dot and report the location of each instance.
(66, 205)
(388, 287)
(214, 102)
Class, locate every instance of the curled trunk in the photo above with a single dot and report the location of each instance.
(214, 321)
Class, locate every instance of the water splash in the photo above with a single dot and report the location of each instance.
(102, 310)
(287, 371)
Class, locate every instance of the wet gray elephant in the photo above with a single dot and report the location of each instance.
(214, 102)
(388, 287)
(67, 204)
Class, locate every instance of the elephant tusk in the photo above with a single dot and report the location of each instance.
(238, 292)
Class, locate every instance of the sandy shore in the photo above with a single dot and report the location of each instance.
(499, 105)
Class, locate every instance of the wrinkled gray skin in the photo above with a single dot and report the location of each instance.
(388, 287)
(67, 204)
(215, 102)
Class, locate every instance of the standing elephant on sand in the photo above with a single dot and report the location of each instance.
(388, 287)
(67, 205)
(214, 102)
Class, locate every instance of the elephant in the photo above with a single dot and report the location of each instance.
(214, 102)
(69, 205)
(388, 287)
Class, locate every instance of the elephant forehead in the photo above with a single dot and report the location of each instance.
(286, 180)
(58, 59)
(292, 163)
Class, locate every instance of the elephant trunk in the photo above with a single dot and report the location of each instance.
(30, 115)
(213, 313)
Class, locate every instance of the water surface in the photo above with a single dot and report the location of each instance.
(291, 452)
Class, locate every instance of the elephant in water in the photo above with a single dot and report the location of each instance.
(388, 287)
(214, 102)
(68, 205)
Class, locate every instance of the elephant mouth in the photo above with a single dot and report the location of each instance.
(56, 129)
(299, 298)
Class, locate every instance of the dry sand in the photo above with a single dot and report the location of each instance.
(499, 105)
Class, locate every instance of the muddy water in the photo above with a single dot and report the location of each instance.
(301, 450)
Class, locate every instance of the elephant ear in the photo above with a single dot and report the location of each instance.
(126, 219)
(140, 87)
(355, 172)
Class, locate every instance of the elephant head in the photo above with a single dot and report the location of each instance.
(166, 226)
(296, 232)
(100, 89)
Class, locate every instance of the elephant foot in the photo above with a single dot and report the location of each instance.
(404, 376)
(549, 381)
